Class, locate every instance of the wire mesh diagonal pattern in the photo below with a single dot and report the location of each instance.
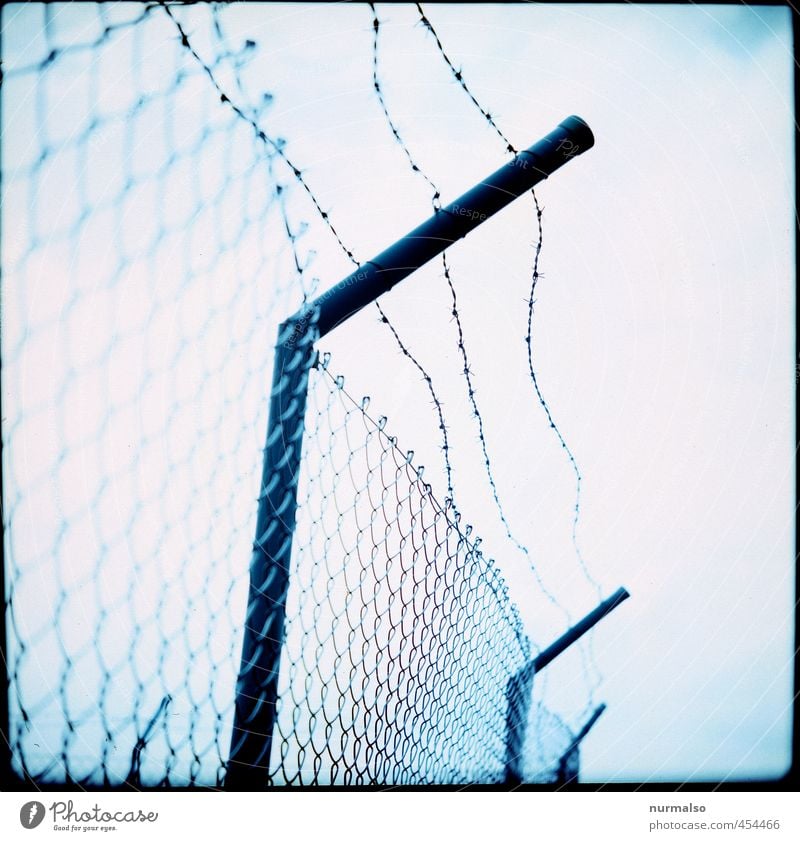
(140, 309)
(401, 636)
(146, 261)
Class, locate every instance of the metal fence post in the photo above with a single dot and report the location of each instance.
(257, 686)
(256, 689)
(569, 764)
(520, 685)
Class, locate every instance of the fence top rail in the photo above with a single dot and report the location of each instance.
(571, 137)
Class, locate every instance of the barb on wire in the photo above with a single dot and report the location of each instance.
(466, 370)
(535, 275)
(459, 77)
(274, 145)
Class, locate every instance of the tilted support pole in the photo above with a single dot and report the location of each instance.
(257, 686)
(518, 691)
(568, 764)
(453, 222)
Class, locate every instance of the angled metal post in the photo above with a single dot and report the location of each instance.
(579, 629)
(570, 138)
(518, 691)
(257, 686)
(569, 764)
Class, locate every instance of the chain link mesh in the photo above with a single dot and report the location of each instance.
(401, 636)
(146, 263)
(149, 251)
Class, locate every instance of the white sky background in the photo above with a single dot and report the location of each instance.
(663, 333)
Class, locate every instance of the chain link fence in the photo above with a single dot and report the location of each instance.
(150, 249)
(401, 637)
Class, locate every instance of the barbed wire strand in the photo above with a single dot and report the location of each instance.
(458, 76)
(535, 275)
(277, 147)
(376, 25)
(455, 313)
(437, 402)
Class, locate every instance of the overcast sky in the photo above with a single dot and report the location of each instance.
(663, 332)
(663, 336)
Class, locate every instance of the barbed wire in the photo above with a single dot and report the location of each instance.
(467, 373)
(458, 76)
(466, 369)
(376, 25)
(535, 274)
(156, 665)
(277, 146)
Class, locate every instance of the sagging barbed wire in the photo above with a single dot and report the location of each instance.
(169, 269)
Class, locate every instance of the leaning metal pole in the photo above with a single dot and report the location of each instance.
(257, 686)
(569, 764)
(518, 691)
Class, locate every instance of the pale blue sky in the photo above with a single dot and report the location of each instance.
(664, 334)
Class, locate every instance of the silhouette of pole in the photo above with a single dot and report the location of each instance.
(518, 691)
(568, 765)
(578, 630)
